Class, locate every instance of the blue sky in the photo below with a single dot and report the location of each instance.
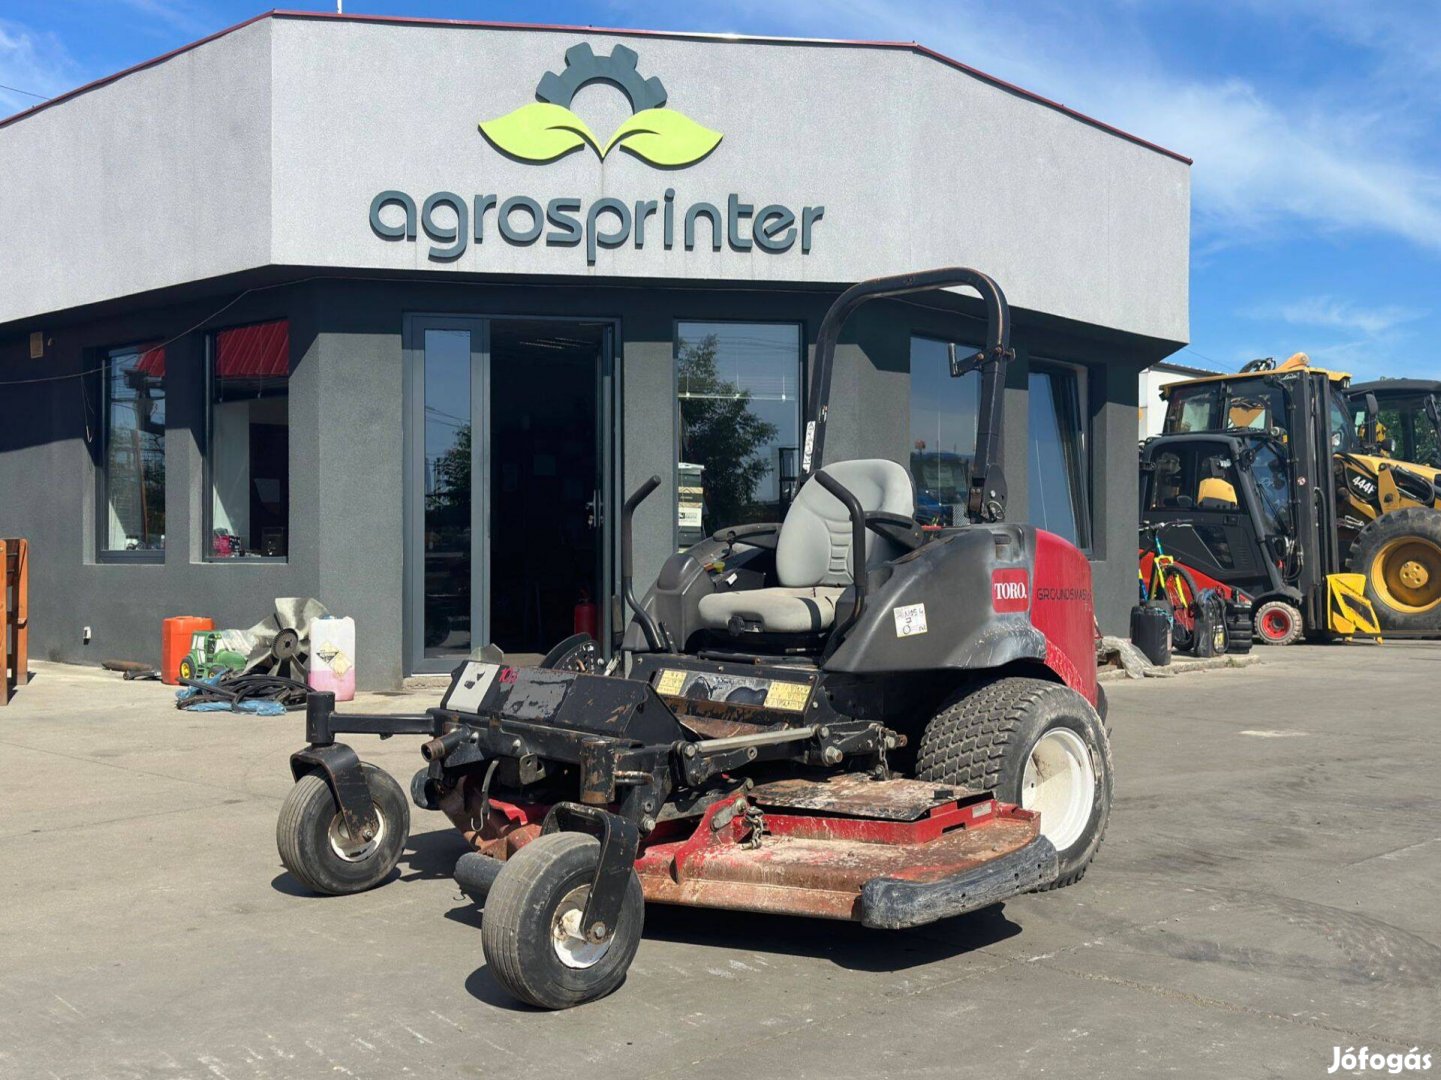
(1315, 126)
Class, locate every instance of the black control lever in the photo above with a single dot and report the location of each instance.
(648, 625)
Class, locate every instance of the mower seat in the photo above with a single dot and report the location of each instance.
(813, 554)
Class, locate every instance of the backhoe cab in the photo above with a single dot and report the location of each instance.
(839, 715)
(1263, 481)
(1399, 418)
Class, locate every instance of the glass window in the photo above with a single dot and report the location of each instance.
(739, 390)
(448, 512)
(249, 445)
(133, 469)
(1273, 481)
(943, 431)
(1059, 478)
(1343, 435)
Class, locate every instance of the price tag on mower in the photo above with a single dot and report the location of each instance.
(910, 620)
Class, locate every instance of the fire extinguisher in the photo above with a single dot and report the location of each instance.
(585, 620)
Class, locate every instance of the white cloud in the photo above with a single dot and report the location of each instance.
(188, 18)
(1345, 153)
(1333, 313)
(37, 64)
(1367, 340)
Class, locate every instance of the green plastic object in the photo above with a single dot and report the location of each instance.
(209, 657)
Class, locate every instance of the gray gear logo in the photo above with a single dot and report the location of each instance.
(547, 129)
(583, 67)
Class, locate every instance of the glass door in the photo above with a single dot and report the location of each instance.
(509, 461)
(445, 492)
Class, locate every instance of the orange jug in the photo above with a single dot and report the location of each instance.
(175, 643)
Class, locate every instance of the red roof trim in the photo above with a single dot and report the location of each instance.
(683, 35)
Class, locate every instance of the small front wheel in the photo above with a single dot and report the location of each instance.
(1279, 623)
(318, 849)
(534, 942)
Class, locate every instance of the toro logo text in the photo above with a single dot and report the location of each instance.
(1010, 590)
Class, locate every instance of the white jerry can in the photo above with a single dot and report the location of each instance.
(332, 656)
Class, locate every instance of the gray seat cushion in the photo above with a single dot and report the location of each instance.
(813, 554)
(815, 542)
(774, 611)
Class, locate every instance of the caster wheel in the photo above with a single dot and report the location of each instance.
(317, 848)
(534, 943)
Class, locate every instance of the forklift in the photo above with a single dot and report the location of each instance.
(1262, 484)
(842, 715)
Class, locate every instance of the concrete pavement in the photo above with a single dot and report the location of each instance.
(1265, 893)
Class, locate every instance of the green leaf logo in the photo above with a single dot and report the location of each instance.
(664, 137)
(542, 132)
(539, 132)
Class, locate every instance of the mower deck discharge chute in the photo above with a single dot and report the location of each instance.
(841, 716)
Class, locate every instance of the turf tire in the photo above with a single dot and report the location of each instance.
(983, 737)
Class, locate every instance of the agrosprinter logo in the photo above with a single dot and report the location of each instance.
(604, 218)
(546, 129)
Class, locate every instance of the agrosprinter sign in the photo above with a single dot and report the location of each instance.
(546, 130)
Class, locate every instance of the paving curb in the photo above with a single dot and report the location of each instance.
(1182, 666)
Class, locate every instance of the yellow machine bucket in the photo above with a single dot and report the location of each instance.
(1347, 609)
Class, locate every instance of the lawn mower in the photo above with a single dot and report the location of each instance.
(842, 716)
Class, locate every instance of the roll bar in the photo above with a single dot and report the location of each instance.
(986, 500)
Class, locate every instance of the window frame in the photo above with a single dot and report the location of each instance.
(1083, 495)
(207, 477)
(803, 345)
(103, 553)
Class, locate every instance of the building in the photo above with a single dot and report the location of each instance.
(1153, 410)
(392, 312)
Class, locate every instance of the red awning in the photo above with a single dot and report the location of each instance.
(254, 352)
(152, 362)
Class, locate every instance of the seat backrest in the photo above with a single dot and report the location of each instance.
(815, 542)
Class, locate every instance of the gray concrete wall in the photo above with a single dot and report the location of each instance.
(158, 178)
(266, 146)
(50, 451)
(347, 448)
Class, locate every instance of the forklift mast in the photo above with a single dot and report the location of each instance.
(986, 500)
(1313, 494)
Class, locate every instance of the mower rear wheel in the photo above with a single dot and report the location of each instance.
(531, 932)
(319, 851)
(1035, 743)
(1278, 623)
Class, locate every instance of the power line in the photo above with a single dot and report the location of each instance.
(27, 93)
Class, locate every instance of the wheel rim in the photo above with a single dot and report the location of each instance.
(350, 848)
(1060, 783)
(1276, 624)
(572, 947)
(1406, 574)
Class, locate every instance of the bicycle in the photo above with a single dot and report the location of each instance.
(1171, 582)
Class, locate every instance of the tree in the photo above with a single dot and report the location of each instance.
(719, 431)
